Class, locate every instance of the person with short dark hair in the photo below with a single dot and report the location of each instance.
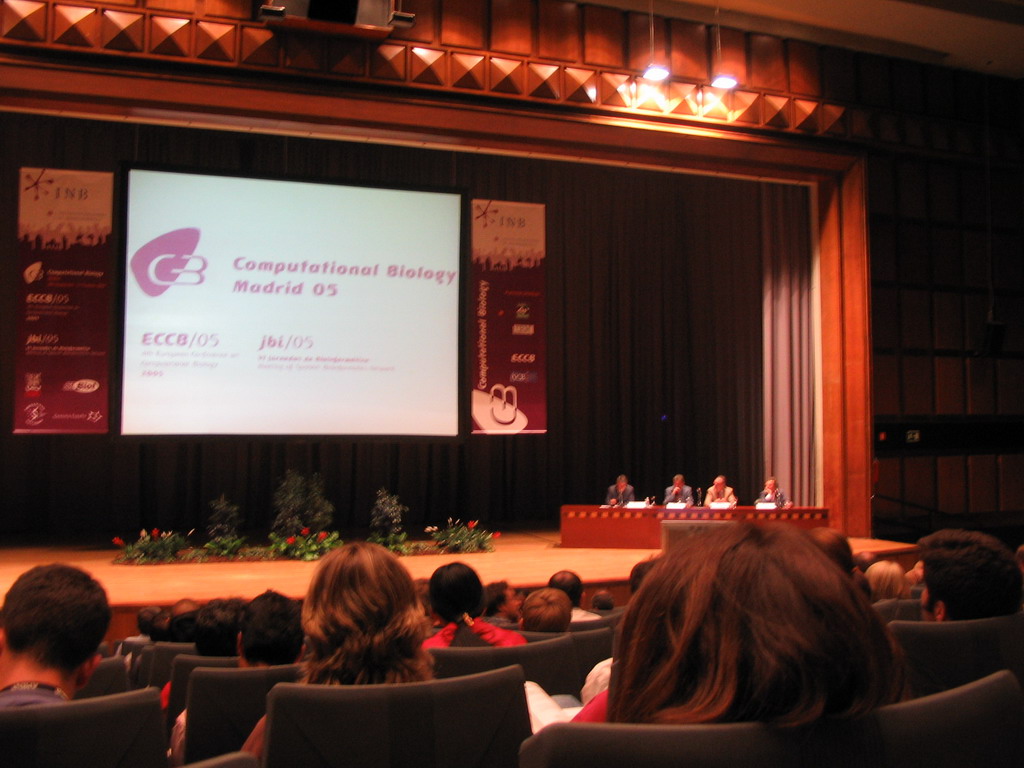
(270, 633)
(968, 575)
(51, 624)
(621, 493)
(457, 596)
(602, 600)
(502, 604)
(570, 583)
(679, 492)
(217, 627)
(546, 610)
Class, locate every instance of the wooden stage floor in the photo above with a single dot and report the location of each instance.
(525, 559)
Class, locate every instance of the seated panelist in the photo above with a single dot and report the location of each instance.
(719, 491)
(679, 492)
(619, 494)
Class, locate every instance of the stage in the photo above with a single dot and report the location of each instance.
(525, 559)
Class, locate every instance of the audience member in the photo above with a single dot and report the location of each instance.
(456, 596)
(546, 610)
(640, 571)
(160, 632)
(864, 560)
(570, 583)
(887, 581)
(217, 626)
(363, 624)
(144, 621)
(52, 621)
(183, 621)
(269, 634)
(968, 575)
(835, 544)
(749, 623)
(1019, 556)
(503, 604)
(602, 600)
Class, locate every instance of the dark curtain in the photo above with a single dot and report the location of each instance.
(655, 307)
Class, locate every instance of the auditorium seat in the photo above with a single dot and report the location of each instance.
(899, 609)
(123, 730)
(980, 724)
(224, 706)
(477, 721)
(181, 668)
(552, 664)
(611, 620)
(231, 760)
(110, 676)
(944, 654)
(155, 662)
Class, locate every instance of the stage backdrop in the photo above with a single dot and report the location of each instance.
(63, 302)
(508, 370)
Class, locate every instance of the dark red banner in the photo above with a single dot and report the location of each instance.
(64, 300)
(507, 303)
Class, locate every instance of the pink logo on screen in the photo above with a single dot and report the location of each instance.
(168, 260)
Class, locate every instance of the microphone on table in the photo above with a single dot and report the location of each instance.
(700, 497)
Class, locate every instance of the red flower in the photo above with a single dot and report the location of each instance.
(304, 531)
(156, 533)
(118, 541)
(290, 540)
(471, 524)
(321, 536)
(496, 534)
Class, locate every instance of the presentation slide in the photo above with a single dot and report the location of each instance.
(260, 307)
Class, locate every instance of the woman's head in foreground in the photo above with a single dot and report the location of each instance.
(750, 623)
(363, 621)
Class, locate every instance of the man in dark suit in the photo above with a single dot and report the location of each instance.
(679, 492)
(620, 493)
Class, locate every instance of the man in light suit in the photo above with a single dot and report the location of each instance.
(679, 492)
(719, 491)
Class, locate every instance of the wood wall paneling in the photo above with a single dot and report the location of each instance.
(912, 189)
(949, 386)
(1010, 386)
(885, 318)
(639, 41)
(908, 86)
(881, 184)
(952, 484)
(919, 480)
(943, 198)
(886, 384)
(874, 80)
(981, 396)
(604, 41)
(948, 321)
(425, 28)
(883, 249)
(229, 9)
(768, 63)
(912, 247)
(733, 55)
(940, 92)
(975, 259)
(558, 26)
(689, 43)
(918, 377)
(464, 23)
(804, 68)
(838, 74)
(512, 26)
(1011, 482)
(946, 261)
(915, 319)
(982, 479)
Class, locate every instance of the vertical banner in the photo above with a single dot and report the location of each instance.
(64, 293)
(506, 295)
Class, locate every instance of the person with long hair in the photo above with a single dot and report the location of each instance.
(457, 597)
(749, 623)
(364, 624)
(888, 581)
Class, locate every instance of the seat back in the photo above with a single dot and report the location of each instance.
(979, 724)
(231, 760)
(156, 660)
(609, 620)
(898, 609)
(592, 647)
(110, 676)
(123, 730)
(181, 668)
(477, 721)
(224, 706)
(943, 655)
(550, 663)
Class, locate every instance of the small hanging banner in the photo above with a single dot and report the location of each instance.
(61, 363)
(508, 364)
